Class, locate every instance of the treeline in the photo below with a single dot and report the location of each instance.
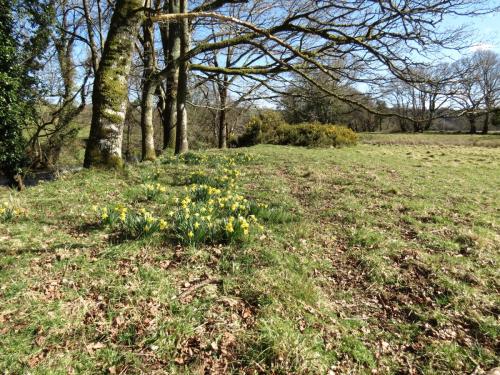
(460, 96)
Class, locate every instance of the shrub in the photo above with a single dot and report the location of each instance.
(314, 135)
(261, 129)
(277, 132)
(252, 134)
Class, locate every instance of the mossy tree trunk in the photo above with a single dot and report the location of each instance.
(148, 91)
(181, 141)
(110, 94)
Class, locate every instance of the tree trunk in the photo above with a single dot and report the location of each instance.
(416, 127)
(171, 47)
(148, 91)
(472, 122)
(486, 123)
(110, 93)
(222, 129)
(181, 141)
(147, 108)
(222, 114)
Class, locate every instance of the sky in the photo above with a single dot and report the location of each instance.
(486, 30)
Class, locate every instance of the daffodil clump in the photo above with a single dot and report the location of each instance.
(189, 158)
(208, 215)
(213, 160)
(224, 178)
(210, 211)
(133, 224)
(152, 174)
(9, 212)
(152, 191)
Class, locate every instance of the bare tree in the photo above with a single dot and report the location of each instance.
(488, 64)
(469, 95)
(66, 79)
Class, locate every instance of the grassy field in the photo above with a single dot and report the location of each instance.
(441, 139)
(381, 258)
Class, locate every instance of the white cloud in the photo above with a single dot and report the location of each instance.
(481, 47)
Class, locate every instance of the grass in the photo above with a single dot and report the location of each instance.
(374, 258)
(443, 139)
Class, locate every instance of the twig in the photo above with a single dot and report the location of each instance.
(195, 287)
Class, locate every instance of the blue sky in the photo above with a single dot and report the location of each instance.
(486, 29)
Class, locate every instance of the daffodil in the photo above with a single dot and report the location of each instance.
(190, 234)
(163, 224)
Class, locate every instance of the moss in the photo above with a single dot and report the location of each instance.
(150, 155)
(114, 161)
(115, 119)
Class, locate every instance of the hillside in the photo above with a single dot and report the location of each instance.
(379, 258)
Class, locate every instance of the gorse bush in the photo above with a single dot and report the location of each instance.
(260, 129)
(307, 134)
(314, 135)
